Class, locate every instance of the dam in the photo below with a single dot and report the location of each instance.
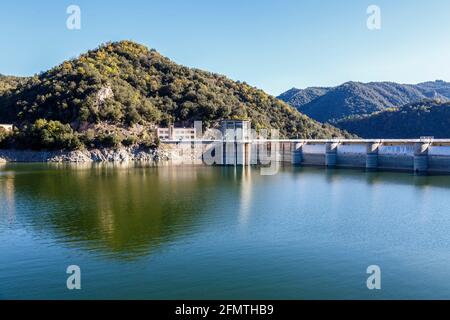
(236, 144)
(416, 155)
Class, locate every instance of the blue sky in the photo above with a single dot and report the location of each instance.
(274, 45)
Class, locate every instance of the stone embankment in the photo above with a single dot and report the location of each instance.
(82, 156)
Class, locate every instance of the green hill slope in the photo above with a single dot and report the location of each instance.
(429, 118)
(125, 86)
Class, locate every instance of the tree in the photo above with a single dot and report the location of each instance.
(50, 135)
(5, 137)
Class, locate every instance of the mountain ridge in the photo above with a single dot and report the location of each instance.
(426, 118)
(357, 98)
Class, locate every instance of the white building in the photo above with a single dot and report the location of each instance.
(173, 133)
(236, 129)
(232, 130)
(7, 127)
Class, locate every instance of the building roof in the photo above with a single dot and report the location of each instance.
(235, 120)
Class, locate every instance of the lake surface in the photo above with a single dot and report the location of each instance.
(195, 232)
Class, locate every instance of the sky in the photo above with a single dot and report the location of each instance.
(273, 45)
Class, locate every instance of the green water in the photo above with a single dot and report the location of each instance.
(143, 232)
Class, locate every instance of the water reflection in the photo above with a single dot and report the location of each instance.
(161, 232)
(122, 210)
(245, 205)
(130, 210)
(7, 199)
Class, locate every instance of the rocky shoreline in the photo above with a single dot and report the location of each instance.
(84, 156)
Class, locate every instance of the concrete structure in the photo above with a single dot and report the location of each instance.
(236, 136)
(404, 155)
(235, 130)
(172, 133)
(421, 156)
(372, 155)
(296, 153)
(237, 147)
(331, 153)
(7, 127)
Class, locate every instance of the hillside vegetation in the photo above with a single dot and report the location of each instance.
(8, 84)
(430, 118)
(355, 98)
(122, 90)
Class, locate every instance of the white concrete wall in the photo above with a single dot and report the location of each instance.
(240, 154)
(439, 151)
(394, 157)
(397, 150)
(230, 153)
(314, 148)
(352, 149)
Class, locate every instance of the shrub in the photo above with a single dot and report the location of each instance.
(88, 138)
(112, 140)
(149, 142)
(129, 141)
(50, 135)
(5, 137)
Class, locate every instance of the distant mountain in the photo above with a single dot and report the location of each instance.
(435, 88)
(427, 118)
(298, 97)
(124, 89)
(356, 98)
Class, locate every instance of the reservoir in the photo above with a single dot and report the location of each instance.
(206, 232)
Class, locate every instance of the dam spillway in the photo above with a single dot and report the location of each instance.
(417, 155)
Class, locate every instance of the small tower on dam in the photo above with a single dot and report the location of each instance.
(237, 144)
(236, 130)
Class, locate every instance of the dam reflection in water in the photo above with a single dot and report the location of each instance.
(141, 231)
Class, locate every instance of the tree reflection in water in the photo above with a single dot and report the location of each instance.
(124, 210)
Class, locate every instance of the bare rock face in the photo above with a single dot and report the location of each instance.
(85, 156)
(103, 94)
(72, 156)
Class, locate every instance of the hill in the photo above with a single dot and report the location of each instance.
(125, 89)
(356, 98)
(9, 83)
(298, 97)
(428, 118)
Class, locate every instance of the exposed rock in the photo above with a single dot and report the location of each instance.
(103, 94)
(83, 156)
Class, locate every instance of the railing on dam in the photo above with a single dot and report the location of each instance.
(419, 155)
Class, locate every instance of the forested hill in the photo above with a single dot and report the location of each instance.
(124, 85)
(298, 97)
(356, 98)
(8, 84)
(430, 118)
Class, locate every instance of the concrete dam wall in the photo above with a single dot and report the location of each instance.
(406, 155)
